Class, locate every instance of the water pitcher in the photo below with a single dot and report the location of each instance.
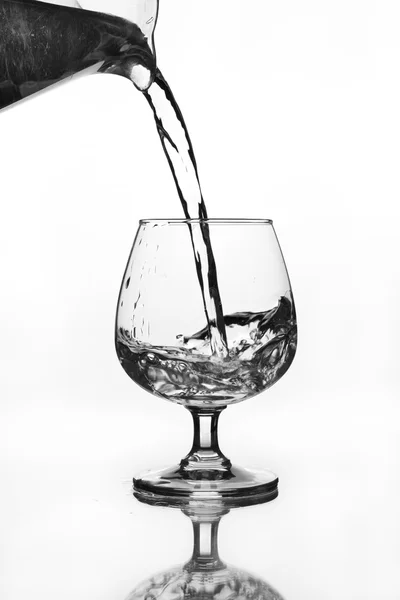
(42, 43)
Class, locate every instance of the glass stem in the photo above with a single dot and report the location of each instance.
(205, 544)
(205, 453)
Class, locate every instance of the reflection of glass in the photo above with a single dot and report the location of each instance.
(205, 576)
(165, 345)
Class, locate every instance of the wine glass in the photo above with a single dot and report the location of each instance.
(165, 344)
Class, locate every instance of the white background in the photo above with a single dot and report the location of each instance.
(293, 108)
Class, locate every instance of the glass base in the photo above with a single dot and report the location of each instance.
(232, 487)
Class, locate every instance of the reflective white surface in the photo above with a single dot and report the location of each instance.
(324, 165)
(70, 526)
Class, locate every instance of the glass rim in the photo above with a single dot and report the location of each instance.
(219, 221)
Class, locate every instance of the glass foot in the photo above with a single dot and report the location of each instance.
(233, 487)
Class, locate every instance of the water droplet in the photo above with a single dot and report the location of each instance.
(151, 357)
(127, 283)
